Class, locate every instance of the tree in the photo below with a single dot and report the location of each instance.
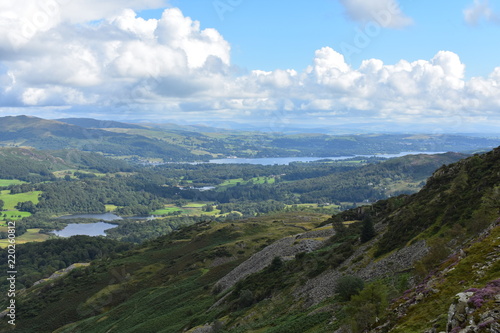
(26, 206)
(246, 298)
(367, 308)
(1, 205)
(275, 264)
(348, 286)
(339, 227)
(207, 208)
(367, 231)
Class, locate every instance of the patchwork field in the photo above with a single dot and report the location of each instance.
(255, 180)
(191, 209)
(8, 182)
(11, 200)
(32, 235)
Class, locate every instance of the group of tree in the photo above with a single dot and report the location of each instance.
(40, 260)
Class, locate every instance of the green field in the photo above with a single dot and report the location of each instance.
(315, 205)
(255, 180)
(11, 200)
(195, 205)
(8, 182)
(110, 208)
(191, 209)
(168, 209)
(71, 173)
(13, 215)
(32, 235)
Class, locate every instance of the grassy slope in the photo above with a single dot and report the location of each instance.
(8, 182)
(32, 235)
(11, 200)
(455, 275)
(164, 286)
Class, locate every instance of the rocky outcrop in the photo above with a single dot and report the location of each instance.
(202, 329)
(399, 261)
(285, 248)
(323, 286)
(459, 311)
(61, 272)
(466, 315)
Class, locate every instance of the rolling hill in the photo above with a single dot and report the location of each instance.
(311, 277)
(173, 143)
(50, 134)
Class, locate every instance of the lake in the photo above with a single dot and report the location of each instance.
(288, 160)
(89, 229)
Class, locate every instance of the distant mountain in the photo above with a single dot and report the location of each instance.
(51, 134)
(198, 128)
(21, 129)
(174, 143)
(94, 123)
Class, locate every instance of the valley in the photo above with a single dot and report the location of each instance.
(213, 247)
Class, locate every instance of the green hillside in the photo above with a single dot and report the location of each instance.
(199, 143)
(243, 276)
(44, 134)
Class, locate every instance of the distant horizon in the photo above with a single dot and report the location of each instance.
(234, 126)
(352, 65)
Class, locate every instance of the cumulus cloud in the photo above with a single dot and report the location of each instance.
(122, 56)
(127, 66)
(432, 91)
(480, 9)
(387, 13)
(22, 20)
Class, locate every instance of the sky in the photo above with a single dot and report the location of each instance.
(355, 65)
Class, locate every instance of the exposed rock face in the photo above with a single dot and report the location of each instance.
(284, 248)
(61, 272)
(399, 261)
(323, 286)
(459, 311)
(202, 329)
(221, 261)
(462, 315)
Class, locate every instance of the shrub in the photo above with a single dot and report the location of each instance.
(348, 286)
(246, 298)
(275, 264)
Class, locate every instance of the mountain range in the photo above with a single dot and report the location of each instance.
(173, 143)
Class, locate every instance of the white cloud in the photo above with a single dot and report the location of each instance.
(480, 9)
(162, 68)
(123, 59)
(23, 20)
(387, 13)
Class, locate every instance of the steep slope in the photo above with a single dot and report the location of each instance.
(171, 277)
(428, 247)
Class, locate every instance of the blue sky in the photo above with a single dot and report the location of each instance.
(268, 35)
(364, 65)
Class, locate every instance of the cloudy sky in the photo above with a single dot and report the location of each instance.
(376, 65)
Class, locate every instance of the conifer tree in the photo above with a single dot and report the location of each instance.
(367, 231)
